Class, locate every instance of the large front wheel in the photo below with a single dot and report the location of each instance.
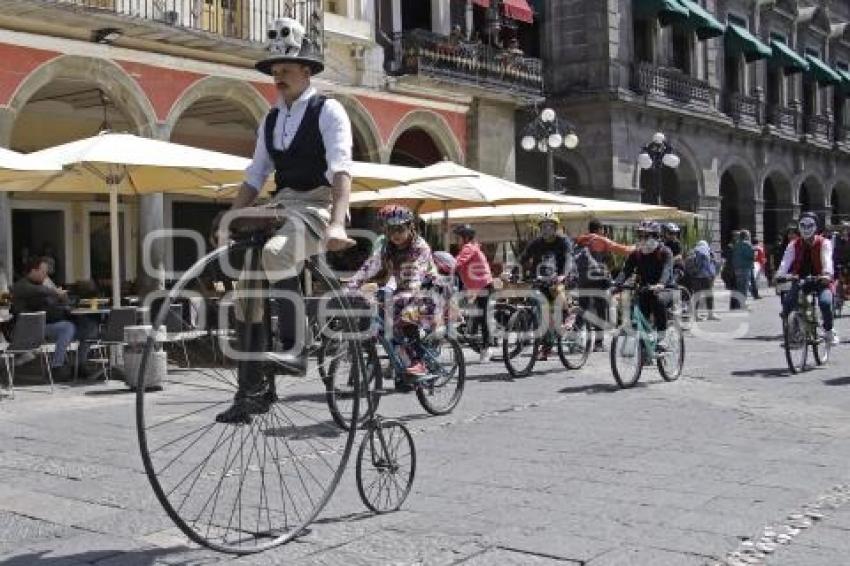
(626, 358)
(247, 483)
(796, 342)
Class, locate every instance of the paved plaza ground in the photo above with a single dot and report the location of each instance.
(557, 468)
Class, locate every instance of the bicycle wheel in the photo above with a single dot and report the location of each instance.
(240, 488)
(821, 347)
(443, 357)
(519, 345)
(386, 465)
(626, 358)
(670, 362)
(338, 358)
(795, 342)
(575, 345)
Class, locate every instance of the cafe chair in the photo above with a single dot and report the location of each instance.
(113, 337)
(27, 338)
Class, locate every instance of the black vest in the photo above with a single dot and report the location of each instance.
(302, 166)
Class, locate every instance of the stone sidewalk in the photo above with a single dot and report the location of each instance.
(558, 468)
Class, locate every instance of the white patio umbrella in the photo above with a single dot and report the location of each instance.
(128, 164)
(451, 187)
(587, 208)
(14, 165)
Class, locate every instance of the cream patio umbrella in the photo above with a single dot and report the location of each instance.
(573, 208)
(444, 193)
(14, 165)
(127, 164)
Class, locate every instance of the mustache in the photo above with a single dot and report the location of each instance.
(281, 84)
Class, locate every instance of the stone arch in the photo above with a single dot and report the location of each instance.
(435, 126)
(777, 197)
(572, 173)
(115, 82)
(238, 92)
(839, 200)
(367, 137)
(737, 198)
(681, 187)
(810, 191)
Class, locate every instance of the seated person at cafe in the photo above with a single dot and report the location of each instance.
(31, 294)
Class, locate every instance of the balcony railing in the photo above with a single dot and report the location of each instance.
(842, 134)
(819, 127)
(426, 53)
(784, 119)
(246, 20)
(672, 84)
(742, 108)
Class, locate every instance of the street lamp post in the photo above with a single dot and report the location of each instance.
(655, 155)
(547, 133)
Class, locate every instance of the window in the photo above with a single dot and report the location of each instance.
(775, 78)
(682, 42)
(737, 20)
(810, 88)
(839, 104)
(733, 63)
(644, 32)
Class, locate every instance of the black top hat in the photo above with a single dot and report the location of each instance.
(308, 55)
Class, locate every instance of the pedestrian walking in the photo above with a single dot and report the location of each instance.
(759, 266)
(701, 269)
(743, 257)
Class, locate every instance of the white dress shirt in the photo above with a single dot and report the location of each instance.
(825, 258)
(334, 126)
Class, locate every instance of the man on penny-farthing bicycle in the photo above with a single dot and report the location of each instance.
(305, 139)
(809, 258)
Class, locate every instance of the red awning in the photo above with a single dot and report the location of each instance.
(482, 3)
(518, 10)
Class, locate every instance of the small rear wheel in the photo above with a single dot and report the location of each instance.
(671, 361)
(795, 342)
(386, 465)
(626, 358)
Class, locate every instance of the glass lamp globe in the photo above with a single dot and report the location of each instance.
(555, 140)
(548, 115)
(658, 137)
(542, 146)
(671, 160)
(528, 143)
(644, 161)
(571, 141)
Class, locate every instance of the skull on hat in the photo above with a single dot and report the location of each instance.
(285, 37)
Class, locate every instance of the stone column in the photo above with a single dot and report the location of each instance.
(441, 19)
(708, 207)
(491, 141)
(758, 213)
(150, 219)
(5, 244)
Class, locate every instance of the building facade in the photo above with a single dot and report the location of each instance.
(751, 94)
(422, 80)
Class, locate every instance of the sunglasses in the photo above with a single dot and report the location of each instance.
(808, 225)
(400, 229)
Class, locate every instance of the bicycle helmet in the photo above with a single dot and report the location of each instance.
(649, 227)
(548, 216)
(464, 231)
(397, 215)
(672, 228)
(444, 262)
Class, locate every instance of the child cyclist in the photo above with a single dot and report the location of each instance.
(406, 258)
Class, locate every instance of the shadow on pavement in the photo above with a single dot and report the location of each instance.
(595, 388)
(772, 372)
(145, 557)
(838, 381)
(763, 338)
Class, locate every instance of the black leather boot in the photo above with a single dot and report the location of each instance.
(292, 359)
(255, 393)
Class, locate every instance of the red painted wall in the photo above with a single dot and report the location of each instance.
(16, 63)
(162, 86)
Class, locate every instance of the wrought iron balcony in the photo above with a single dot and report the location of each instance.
(842, 134)
(673, 85)
(819, 127)
(742, 108)
(425, 53)
(784, 119)
(245, 20)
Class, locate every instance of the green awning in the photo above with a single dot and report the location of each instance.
(822, 72)
(785, 57)
(845, 79)
(739, 40)
(667, 11)
(702, 21)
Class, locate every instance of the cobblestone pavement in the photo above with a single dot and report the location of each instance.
(558, 468)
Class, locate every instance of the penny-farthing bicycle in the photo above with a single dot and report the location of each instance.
(250, 487)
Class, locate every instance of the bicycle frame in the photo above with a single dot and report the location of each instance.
(389, 347)
(644, 329)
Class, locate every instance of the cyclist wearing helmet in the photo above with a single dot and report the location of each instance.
(652, 263)
(671, 239)
(475, 274)
(810, 255)
(549, 258)
(406, 258)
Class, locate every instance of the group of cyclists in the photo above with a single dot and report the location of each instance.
(405, 265)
